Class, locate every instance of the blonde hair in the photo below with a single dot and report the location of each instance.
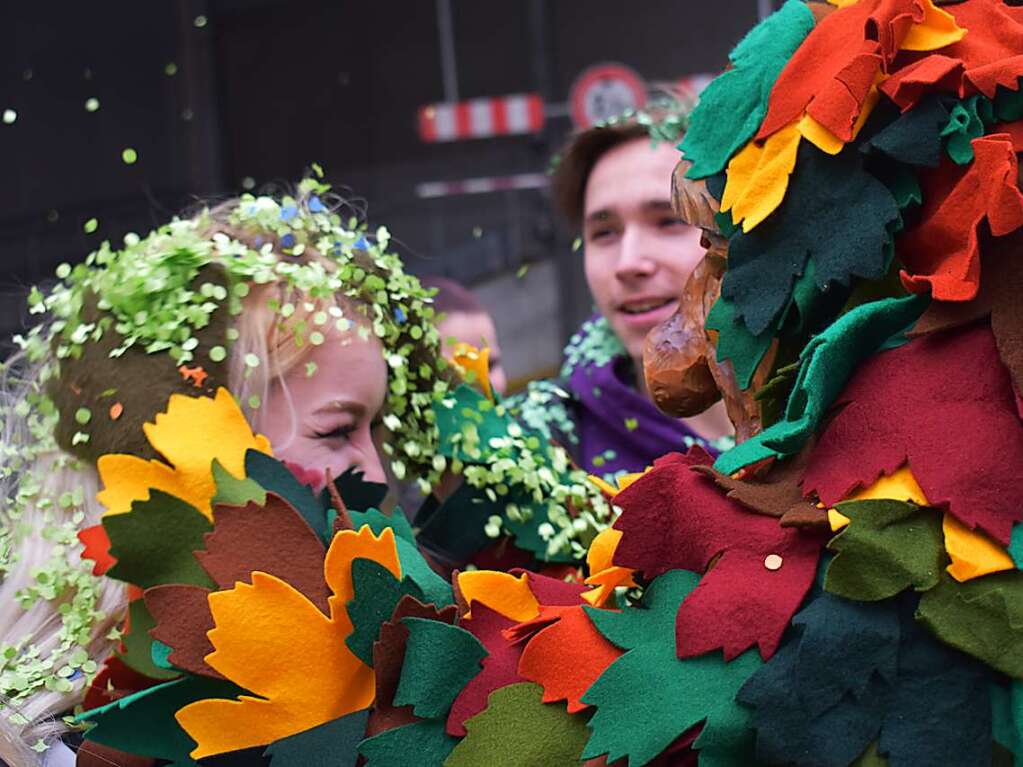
(26, 551)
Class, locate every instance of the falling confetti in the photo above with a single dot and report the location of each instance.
(91, 225)
(130, 156)
(91, 105)
(170, 69)
(10, 116)
(200, 21)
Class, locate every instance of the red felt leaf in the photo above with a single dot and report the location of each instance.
(945, 404)
(942, 252)
(566, 655)
(500, 667)
(676, 518)
(988, 55)
(831, 73)
(552, 591)
(97, 548)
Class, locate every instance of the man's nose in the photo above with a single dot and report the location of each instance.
(635, 258)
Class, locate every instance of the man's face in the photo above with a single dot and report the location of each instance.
(638, 255)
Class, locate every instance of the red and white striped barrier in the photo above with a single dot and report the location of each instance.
(430, 189)
(482, 118)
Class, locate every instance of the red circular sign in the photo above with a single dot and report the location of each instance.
(605, 91)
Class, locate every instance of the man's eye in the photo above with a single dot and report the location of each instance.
(671, 223)
(601, 234)
(339, 432)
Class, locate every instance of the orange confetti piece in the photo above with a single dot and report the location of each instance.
(196, 376)
(115, 411)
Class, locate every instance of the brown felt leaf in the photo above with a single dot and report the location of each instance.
(97, 755)
(1001, 285)
(182, 615)
(273, 539)
(388, 658)
(776, 494)
(142, 383)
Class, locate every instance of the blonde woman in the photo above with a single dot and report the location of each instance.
(308, 322)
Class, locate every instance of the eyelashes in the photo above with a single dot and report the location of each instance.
(339, 432)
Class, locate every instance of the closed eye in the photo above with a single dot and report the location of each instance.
(339, 432)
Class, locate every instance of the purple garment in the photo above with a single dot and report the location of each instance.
(607, 406)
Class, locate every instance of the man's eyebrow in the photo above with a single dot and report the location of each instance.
(603, 214)
(658, 206)
(341, 406)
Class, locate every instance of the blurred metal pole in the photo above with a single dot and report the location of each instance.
(448, 64)
(764, 8)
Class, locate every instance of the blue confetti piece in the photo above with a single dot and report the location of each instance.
(315, 206)
(399, 315)
(288, 240)
(362, 243)
(288, 212)
(259, 243)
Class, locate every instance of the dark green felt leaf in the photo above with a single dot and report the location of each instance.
(1007, 717)
(915, 137)
(138, 645)
(517, 729)
(870, 758)
(648, 697)
(436, 590)
(144, 723)
(982, 617)
(834, 213)
(235, 492)
(332, 744)
(826, 363)
(420, 744)
(440, 659)
(888, 546)
(457, 526)
(153, 543)
(376, 594)
(274, 477)
(359, 494)
(732, 107)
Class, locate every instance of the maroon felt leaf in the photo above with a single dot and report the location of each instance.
(676, 518)
(500, 667)
(388, 657)
(945, 404)
(182, 615)
(552, 591)
(272, 538)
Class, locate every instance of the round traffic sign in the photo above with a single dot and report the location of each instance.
(605, 91)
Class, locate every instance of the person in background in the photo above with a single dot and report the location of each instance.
(613, 185)
(465, 320)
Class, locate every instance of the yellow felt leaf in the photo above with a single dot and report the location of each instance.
(758, 176)
(270, 639)
(605, 575)
(621, 482)
(973, 553)
(824, 139)
(337, 566)
(837, 520)
(477, 361)
(898, 486)
(937, 30)
(842, 3)
(189, 435)
(503, 592)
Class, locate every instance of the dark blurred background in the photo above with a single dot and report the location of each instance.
(218, 96)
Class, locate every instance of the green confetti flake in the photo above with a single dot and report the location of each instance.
(170, 69)
(91, 104)
(631, 424)
(218, 354)
(129, 156)
(310, 369)
(10, 116)
(83, 415)
(200, 22)
(91, 226)
(521, 271)
(255, 402)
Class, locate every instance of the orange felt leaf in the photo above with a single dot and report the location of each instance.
(566, 657)
(476, 361)
(271, 640)
(503, 592)
(605, 575)
(182, 436)
(97, 548)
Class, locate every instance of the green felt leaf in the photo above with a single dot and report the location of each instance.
(332, 744)
(914, 138)
(967, 120)
(648, 697)
(153, 543)
(1016, 545)
(466, 421)
(414, 566)
(1007, 716)
(440, 659)
(1008, 104)
(138, 645)
(982, 617)
(160, 655)
(376, 594)
(457, 526)
(888, 546)
(834, 213)
(732, 107)
(144, 724)
(420, 744)
(736, 343)
(517, 729)
(826, 364)
(235, 492)
(274, 477)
